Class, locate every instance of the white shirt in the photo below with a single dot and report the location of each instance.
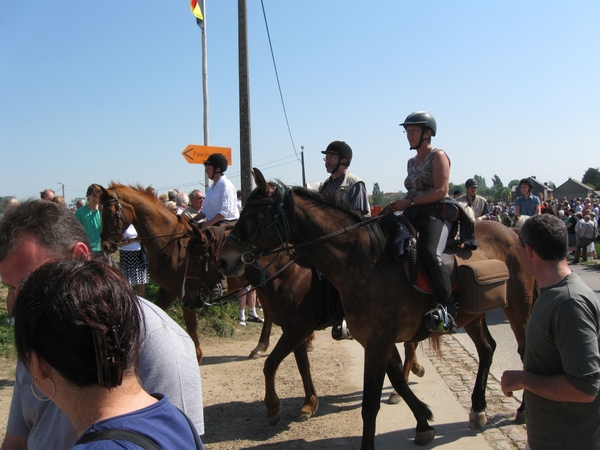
(221, 198)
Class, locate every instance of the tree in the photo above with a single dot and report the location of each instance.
(480, 180)
(513, 183)
(378, 197)
(496, 182)
(591, 177)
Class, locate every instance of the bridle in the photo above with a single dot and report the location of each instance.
(282, 227)
(118, 231)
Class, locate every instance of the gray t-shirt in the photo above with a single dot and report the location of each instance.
(167, 365)
(563, 337)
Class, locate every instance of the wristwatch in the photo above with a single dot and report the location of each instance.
(412, 202)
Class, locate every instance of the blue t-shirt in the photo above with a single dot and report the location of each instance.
(161, 422)
(528, 205)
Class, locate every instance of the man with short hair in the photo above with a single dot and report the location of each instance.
(37, 232)
(585, 236)
(342, 184)
(349, 188)
(561, 365)
(182, 201)
(196, 202)
(475, 201)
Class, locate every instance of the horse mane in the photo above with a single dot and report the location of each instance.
(378, 236)
(139, 189)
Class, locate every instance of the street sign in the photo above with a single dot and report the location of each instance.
(197, 154)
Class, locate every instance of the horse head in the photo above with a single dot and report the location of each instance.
(263, 210)
(116, 218)
(201, 271)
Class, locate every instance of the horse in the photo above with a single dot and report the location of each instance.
(164, 236)
(518, 221)
(380, 304)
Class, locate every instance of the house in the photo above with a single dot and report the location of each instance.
(572, 189)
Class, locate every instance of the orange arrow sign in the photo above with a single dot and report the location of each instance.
(197, 154)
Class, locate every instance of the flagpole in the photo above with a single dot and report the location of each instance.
(205, 86)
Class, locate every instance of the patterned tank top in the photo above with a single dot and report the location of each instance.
(420, 179)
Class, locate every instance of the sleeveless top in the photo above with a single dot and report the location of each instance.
(419, 181)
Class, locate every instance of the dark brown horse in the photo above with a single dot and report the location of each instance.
(292, 296)
(381, 306)
(164, 236)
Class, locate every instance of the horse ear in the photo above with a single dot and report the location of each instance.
(261, 183)
(183, 219)
(105, 194)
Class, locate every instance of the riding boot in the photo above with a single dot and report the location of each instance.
(443, 316)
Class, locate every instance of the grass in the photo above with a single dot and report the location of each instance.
(7, 333)
(214, 321)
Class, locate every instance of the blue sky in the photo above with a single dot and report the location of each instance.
(97, 91)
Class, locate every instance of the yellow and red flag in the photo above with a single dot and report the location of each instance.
(196, 7)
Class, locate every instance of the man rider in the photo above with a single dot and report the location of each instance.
(347, 187)
(476, 202)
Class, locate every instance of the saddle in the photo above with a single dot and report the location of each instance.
(479, 283)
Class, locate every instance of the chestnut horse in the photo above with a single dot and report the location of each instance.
(381, 306)
(165, 238)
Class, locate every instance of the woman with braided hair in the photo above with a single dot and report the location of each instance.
(77, 330)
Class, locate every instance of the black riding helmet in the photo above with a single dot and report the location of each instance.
(217, 160)
(425, 120)
(471, 183)
(342, 149)
(527, 181)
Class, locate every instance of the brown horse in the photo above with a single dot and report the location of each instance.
(292, 296)
(381, 306)
(164, 237)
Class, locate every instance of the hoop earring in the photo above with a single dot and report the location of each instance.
(37, 396)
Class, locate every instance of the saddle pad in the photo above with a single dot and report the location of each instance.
(482, 286)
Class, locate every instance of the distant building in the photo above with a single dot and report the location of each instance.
(572, 189)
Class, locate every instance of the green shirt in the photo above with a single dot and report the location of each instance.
(92, 222)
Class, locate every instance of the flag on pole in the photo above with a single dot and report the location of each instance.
(196, 7)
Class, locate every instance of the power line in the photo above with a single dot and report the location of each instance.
(277, 76)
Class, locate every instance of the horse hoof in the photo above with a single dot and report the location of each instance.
(255, 354)
(520, 418)
(477, 420)
(420, 371)
(424, 437)
(275, 419)
(303, 417)
(394, 398)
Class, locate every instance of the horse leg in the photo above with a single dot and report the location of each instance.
(289, 341)
(485, 344)
(191, 325)
(263, 341)
(411, 364)
(424, 432)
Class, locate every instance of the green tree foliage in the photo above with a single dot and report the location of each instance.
(513, 183)
(481, 181)
(591, 177)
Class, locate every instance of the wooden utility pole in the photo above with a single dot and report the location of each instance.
(245, 137)
(205, 86)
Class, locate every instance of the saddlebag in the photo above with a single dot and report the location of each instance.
(482, 286)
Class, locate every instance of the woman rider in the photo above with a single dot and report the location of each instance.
(427, 185)
(527, 204)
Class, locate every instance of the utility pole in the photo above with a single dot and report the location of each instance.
(245, 138)
(63, 188)
(302, 160)
(205, 85)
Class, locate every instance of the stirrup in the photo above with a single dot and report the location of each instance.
(340, 331)
(439, 319)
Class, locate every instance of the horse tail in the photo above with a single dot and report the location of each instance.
(434, 344)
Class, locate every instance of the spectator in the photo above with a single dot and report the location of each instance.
(8, 202)
(167, 360)
(196, 202)
(561, 365)
(571, 229)
(172, 194)
(94, 383)
(80, 203)
(91, 219)
(171, 206)
(133, 261)
(59, 199)
(585, 236)
(48, 194)
(182, 201)
(163, 198)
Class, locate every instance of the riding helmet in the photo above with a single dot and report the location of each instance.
(217, 160)
(341, 148)
(527, 181)
(422, 118)
(471, 183)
